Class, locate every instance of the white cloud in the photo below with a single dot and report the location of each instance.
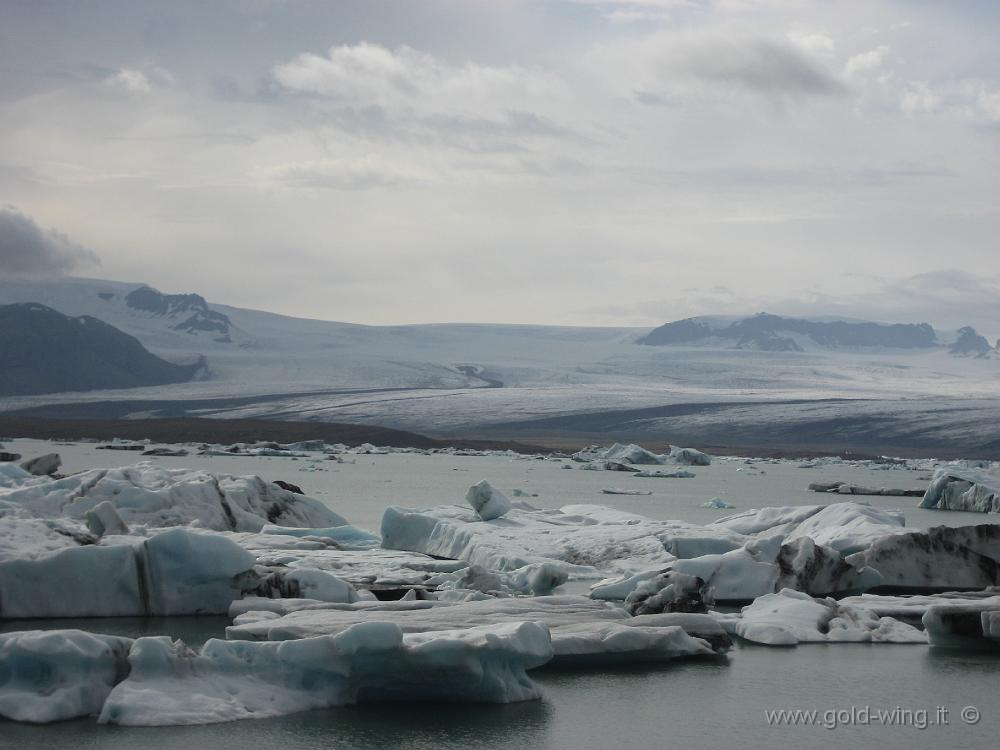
(919, 97)
(130, 81)
(866, 62)
(133, 81)
(812, 43)
(988, 104)
(367, 172)
(404, 76)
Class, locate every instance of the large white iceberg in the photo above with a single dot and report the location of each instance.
(373, 661)
(942, 558)
(963, 488)
(175, 572)
(844, 527)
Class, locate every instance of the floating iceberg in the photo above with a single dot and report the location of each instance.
(175, 572)
(581, 629)
(58, 674)
(155, 496)
(968, 626)
(963, 488)
(373, 661)
(787, 618)
(942, 558)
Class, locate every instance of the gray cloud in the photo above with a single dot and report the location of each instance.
(761, 66)
(26, 248)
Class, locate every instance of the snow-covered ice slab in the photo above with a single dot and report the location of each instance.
(582, 629)
(635, 454)
(58, 674)
(591, 541)
(372, 661)
(787, 618)
(915, 605)
(844, 527)
(761, 566)
(964, 488)
(586, 541)
(155, 496)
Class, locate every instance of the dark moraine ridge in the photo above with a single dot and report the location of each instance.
(224, 431)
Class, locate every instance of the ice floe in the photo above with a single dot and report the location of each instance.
(156, 496)
(60, 674)
(787, 618)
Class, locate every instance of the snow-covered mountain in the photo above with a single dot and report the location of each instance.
(436, 378)
(775, 333)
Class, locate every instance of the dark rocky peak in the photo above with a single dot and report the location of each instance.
(44, 351)
(970, 343)
(191, 311)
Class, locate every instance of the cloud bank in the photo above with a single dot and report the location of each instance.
(27, 249)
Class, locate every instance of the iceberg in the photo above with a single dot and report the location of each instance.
(964, 488)
(151, 495)
(373, 661)
(581, 629)
(973, 626)
(175, 572)
(787, 618)
(58, 674)
(488, 502)
(844, 527)
(942, 558)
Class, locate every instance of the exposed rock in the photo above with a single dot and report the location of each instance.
(288, 486)
(970, 344)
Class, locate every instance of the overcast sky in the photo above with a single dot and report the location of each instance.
(576, 162)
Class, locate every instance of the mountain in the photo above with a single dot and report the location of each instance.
(460, 379)
(44, 351)
(190, 311)
(774, 333)
(970, 343)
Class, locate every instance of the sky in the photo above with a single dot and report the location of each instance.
(578, 162)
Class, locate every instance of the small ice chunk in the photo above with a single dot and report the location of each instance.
(487, 501)
(717, 502)
(103, 519)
